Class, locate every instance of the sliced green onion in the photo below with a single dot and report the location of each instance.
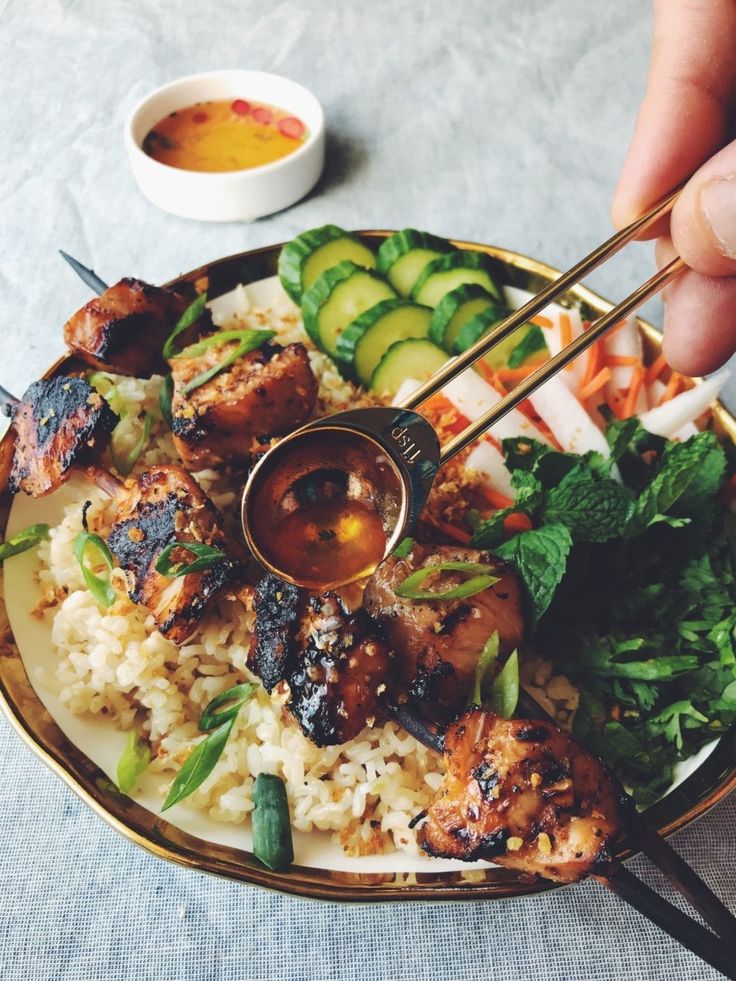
(124, 462)
(192, 313)
(504, 693)
(272, 842)
(207, 556)
(101, 382)
(164, 400)
(487, 658)
(133, 762)
(249, 341)
(100, 586)
(199, 765)
(23, 541)
(235, 698)
(203, 345)
(403, 548)
(409, 588)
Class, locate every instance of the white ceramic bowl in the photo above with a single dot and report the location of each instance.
(237, 195)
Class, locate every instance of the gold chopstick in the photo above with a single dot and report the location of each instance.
(546, 296)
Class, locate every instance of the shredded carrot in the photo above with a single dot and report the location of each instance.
(516, 522)
(655, 369)
(486, 372)
(541, 321)
(527, 409)
(458, 534)
(637, 380)
(441, 405)
(495, 498)
(594, 363)
(595, 384)
(672, 389)
(621, 361)
(515, 374)
(565, 329)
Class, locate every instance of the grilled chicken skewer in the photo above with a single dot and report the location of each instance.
(162, 505)
(266, 393)
(57, 424)
(332, 665)
(124, 328)
(439, 640)
(524, 795)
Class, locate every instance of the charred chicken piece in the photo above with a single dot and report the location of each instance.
(334, 663)
(124, 329)
(268, 392)
(438, 642)
(524, 795)
(59, 422)
(154, 509)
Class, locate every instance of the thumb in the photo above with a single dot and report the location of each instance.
(703, 225)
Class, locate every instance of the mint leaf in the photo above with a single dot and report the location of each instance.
(540, 558)
(688, 473)
(490, 532)
(594, 510)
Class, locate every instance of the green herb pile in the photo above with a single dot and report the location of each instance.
(629, 569)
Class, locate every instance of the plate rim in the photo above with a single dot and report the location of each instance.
(38, 730)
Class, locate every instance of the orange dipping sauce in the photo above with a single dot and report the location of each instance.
(224, 135)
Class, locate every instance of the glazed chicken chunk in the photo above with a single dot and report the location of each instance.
(58, 423)
(160, 506)
(524, 795)
(124, 329)
(332, 663)
(438, 642)
(268, 392)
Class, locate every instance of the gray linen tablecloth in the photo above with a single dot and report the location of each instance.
(501, 122)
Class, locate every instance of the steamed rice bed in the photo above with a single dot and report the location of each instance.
(115, 665)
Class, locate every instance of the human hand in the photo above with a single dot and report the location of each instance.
(683, 125)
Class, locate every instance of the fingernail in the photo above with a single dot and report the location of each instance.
(718, 203)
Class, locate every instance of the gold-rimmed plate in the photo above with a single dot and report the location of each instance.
(83, 757)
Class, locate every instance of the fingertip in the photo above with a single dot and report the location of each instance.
(699, 323)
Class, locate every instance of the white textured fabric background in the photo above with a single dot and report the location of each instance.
(496, 121)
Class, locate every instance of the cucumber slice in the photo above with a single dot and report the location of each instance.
(456, 308)
(305, 258)
(476, 327)
(450, 271)
(413, 358)
(334, 300)
(364, 342)
(403, 256)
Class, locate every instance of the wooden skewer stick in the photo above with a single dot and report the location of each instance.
(106, 481)
(88, 276)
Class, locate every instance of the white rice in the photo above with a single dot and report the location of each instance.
(114, 664)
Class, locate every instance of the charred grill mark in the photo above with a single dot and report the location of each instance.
(334, 663)
(456, 616)
(535, 734)
(278, 606)
(162, 505)
(428, 681)
(137, 542)
(58, 422)
(487, 778)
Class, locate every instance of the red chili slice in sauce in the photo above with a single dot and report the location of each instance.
(199, 117)
(292, 127)
(262, 115)
(240, 107)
